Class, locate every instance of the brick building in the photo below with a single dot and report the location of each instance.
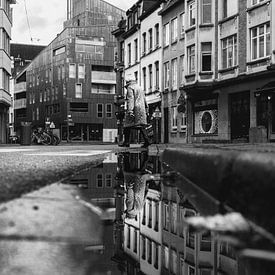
(73, 77)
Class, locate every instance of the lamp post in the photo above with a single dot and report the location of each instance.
(69, 123)
(157, 116)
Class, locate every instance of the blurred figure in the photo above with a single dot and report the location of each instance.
(136, 114)
(136, 177)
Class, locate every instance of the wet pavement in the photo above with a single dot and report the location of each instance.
(129, 213)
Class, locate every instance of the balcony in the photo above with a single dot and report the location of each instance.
(20, 103)
(103, 77)
(5, 98)
(19, 87)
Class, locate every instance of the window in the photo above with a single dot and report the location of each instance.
(129, 237)
(205, 244)
(135, 240)
(227, 250)
(182, 23)
(190, 239)
(79, 107)
(157, 75)
(191, 13)
(166, 257)
(166, 75)
(99, 180)
(150, 47)
(144, 78)
(156, 227)
(166, 35)
(156, 264)
(206, 57)
(136, 49)
(143, 247)
(144, 215)
(260, 41)
(183, 121)
(255, 2)
(191, 59)
(136, 76)
(129, 54)
(72, 72)
(59, 50)
(81, 71)
(182, 266)
(205, 271)
(103, 88)
(78, 90)
(181, 69)
(37, 113)
(174, 262)
(206, 11)
(173, 118)
(191, 270)
(109, 110)
(166, 218)
(229, 8)
(149, 251)
(58, 73)
(174, 65)
(150, 77)
(181, 221)
(150, 213)
(229, 52)
(144, 43)
(40, 96)
(99, 110)
(174, 219)
(122, 52)
(108, 180)
(156, 35)
(174, 30)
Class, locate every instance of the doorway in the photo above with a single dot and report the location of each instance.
(240, 116)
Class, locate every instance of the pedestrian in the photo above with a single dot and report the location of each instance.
(136, 178)
(136, 113)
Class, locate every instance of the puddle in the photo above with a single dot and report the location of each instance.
(157, 222)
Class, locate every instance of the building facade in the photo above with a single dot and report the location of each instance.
(72, 82)
(229, 66)
(173, 39)
(21, 55)
(5, 67)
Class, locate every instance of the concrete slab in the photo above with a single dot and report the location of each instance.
(47, 231)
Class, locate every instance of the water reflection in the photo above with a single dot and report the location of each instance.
(144, 207)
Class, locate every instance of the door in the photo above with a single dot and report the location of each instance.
(240, 116)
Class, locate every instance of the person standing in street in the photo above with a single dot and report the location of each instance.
(136, 113)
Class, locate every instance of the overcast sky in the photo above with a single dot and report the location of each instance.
(46, 19)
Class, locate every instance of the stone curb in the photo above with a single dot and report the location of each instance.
(242, 180)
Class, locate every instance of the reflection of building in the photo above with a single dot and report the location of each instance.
(5, 66)
(74, 75)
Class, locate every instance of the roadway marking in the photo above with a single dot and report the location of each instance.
(11, 150)
(80, 153)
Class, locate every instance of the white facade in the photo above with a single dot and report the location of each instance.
(151, 56)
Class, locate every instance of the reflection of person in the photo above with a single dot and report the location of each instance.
(136, 114)
(136, 177)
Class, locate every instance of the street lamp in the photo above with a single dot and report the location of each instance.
(157, 116)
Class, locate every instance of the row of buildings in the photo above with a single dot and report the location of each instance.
(71, 82)
(207, 65)
(158, 240)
